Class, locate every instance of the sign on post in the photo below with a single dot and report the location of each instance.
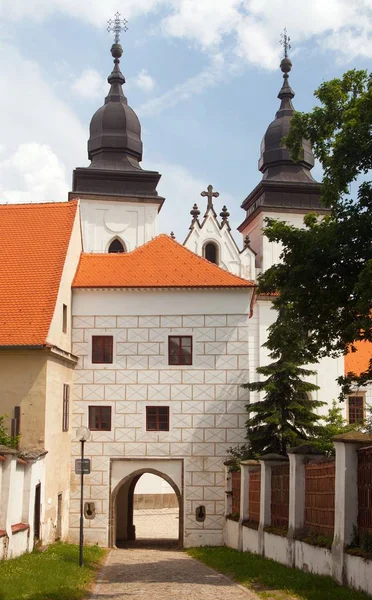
(82, 466)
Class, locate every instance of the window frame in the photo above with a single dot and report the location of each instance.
(157, 416)
(103, 350)
(100, 409)
(355, 409)
(180, 355)
(116, 239)
(66, 408)
(217, 249)
(64, 318)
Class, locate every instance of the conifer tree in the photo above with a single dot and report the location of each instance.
(286, 416)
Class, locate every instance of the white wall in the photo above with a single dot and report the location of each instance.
(152, 484)
(102, 220)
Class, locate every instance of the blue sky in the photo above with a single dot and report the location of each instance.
(203, 76)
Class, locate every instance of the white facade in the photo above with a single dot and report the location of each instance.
(207, 404)
(229, 257)
(102, 221)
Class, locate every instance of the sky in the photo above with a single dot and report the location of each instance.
(202, 75)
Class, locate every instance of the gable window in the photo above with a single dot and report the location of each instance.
(180, 350)
(157, 418)
(100, 418)
(102, 349)
(116, 247)
(211, 252)
(356, 409)
(66, 407)
(64, 318)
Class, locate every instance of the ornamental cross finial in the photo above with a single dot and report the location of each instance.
(284, 41)
(117, 25)
(210, 194)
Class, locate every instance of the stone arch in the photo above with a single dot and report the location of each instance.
(211, 251)
(125, 489)
(116, 245)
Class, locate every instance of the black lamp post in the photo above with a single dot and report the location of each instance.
(83, 435)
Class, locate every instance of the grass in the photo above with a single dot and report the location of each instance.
(271, 580)
(51, 575)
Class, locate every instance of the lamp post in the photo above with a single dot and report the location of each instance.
(83, 435)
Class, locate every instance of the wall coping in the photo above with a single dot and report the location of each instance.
(305, 449)
(272, 457)
(353, 437)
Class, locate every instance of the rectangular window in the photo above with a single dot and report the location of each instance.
(64, 318)
(66, 407)
(157, 418)
(102, 346)
(180, 350)
(356, 409)
(100, 418)
(16, 422)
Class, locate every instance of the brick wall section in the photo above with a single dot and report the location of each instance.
(280, 496)
(207, 404)
(254, 494)
(235, 488)
(365, 490)
(320, 497)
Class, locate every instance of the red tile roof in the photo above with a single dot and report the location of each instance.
(34, 239)
(161, 263)
(358, 362)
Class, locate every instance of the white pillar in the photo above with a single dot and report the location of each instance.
(346, 496)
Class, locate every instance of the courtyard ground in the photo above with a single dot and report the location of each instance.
(156, 523)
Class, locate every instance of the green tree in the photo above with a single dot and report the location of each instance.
(5, 438)
(334, 424)
(326, 269)
(286, 416)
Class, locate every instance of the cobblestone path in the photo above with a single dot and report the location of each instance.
(162, 574)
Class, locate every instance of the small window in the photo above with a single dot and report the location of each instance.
(356, 409)
(157, 418)
(116, 247)
(180, 350)
(211, 252)
(100, 418)
(102, 346)
(16, 422)
(66, 407)
(64, 319)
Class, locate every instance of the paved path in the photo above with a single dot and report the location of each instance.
(156, 523)
(162, 574)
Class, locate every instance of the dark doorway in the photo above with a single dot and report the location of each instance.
(211, 252)
(37, 512)
(116, 247)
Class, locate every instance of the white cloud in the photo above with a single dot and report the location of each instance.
(90, 84)
(33, 173)
(144, 81)
(251, 27)
(185, 90)
(42, 139)
(182, 189)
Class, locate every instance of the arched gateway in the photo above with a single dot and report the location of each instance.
(124, 477)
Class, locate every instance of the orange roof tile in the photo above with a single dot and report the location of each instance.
(34, 241)
(358, 362)
(161, 263)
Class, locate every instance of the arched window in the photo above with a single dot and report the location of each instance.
(116, 246)
(211, 252)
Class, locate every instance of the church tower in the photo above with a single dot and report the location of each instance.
(287, 190)
(119, 201)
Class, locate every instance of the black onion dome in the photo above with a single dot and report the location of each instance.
(115, 131)
(275, 162)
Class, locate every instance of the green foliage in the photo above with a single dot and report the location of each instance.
(286, 417)
(326, 272)
(53, 574)
(5, 438)
(361, 543)
(271, 580)
(367, 425)
(334, 424)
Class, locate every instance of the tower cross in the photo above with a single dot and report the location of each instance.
(210, 195)
(117, 25)
(284, 41)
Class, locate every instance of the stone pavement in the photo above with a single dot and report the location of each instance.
(162, 574)
(156, 523)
